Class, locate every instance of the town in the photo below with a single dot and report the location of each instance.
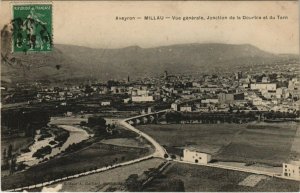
(274, 91)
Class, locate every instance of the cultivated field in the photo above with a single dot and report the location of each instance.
(97, 155)
(206, 179)
(101, 181)
(250, 143)
(128, 142)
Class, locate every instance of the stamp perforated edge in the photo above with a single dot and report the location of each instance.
(12, 3)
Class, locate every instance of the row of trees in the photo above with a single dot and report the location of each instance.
(280, 115)
(178, 117)
(237, 117)
(27, 121)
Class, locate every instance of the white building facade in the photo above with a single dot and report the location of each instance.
(196, 156)
(105, 103)
(263, 86)
(142, 98)
(291, 170)
(186, 109)
(174, 106)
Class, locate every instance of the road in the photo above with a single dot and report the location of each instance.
(231, 168)
(159, 150)
(14, 105)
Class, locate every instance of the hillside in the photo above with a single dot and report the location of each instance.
(72, 62)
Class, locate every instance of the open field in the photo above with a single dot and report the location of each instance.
(96, 155)
(100, 181)
(127, 142)
(260, 142)
(67, 120)
(205, 179)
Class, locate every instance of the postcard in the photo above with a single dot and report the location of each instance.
(150, 96)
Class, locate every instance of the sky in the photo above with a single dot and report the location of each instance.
(93, 23)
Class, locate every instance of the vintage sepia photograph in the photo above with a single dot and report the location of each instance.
(150, 96)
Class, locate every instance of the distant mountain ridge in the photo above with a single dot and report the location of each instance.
(73, 62)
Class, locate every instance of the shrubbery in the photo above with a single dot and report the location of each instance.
(52, 142)
(40, 153)
(26, 150)
(62, 137)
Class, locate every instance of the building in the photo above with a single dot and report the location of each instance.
(166, 75)
(103, 90)
(142, 92)
(263, 86)
(142, 98)
(210, 101)
(294, 84)
(149, 110)
(118, 89)
(265, 79)
(194, 156)
(291, 170)
(226, 97)
(126, 100)
(174, 106)
(105, 103)
(238, 96)
(69, 113)
(279, 92)
(186, 108)
(238, 75)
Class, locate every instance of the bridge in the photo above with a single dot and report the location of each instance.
(146, 118)
(143, 119)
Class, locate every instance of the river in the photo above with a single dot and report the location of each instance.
(76, 135)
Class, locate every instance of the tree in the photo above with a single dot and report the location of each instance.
(116, 159)
(99, 125)
(173, 117)
(4, 154)
(133, 184)
(83, 123)
(96, 121)
(88, 89)
(173, 185)
(12, 165)
(9, 152)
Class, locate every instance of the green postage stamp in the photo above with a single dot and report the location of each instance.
(32, 28)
